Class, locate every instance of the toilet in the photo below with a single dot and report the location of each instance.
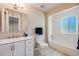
(41, 47)
(40, 44)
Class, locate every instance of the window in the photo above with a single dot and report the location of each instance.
(68, 24)
(72, 24)
(64, 25)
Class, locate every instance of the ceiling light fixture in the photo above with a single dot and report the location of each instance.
(18, 6)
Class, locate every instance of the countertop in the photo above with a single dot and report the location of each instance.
(11, 40)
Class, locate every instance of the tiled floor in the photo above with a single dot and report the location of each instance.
(48, 52)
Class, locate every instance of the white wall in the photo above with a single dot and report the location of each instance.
(34, 18)
(65, 39)
(50, 28)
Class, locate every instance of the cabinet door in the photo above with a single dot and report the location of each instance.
(5, 50)
(19, 48)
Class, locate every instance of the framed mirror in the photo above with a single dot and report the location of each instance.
(12, 21)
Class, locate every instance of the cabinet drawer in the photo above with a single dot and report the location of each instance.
(29, 45)
(29, 40)
(29, 52)
(29, 49)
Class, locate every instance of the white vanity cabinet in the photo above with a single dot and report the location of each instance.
(14, 49)
(30, 47)
(23, 46)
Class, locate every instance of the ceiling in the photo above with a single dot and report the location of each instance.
(45, 7)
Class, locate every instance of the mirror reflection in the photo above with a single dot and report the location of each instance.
(13, 24)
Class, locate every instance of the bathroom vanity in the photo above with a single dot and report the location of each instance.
(14, 21)
(21, 46)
